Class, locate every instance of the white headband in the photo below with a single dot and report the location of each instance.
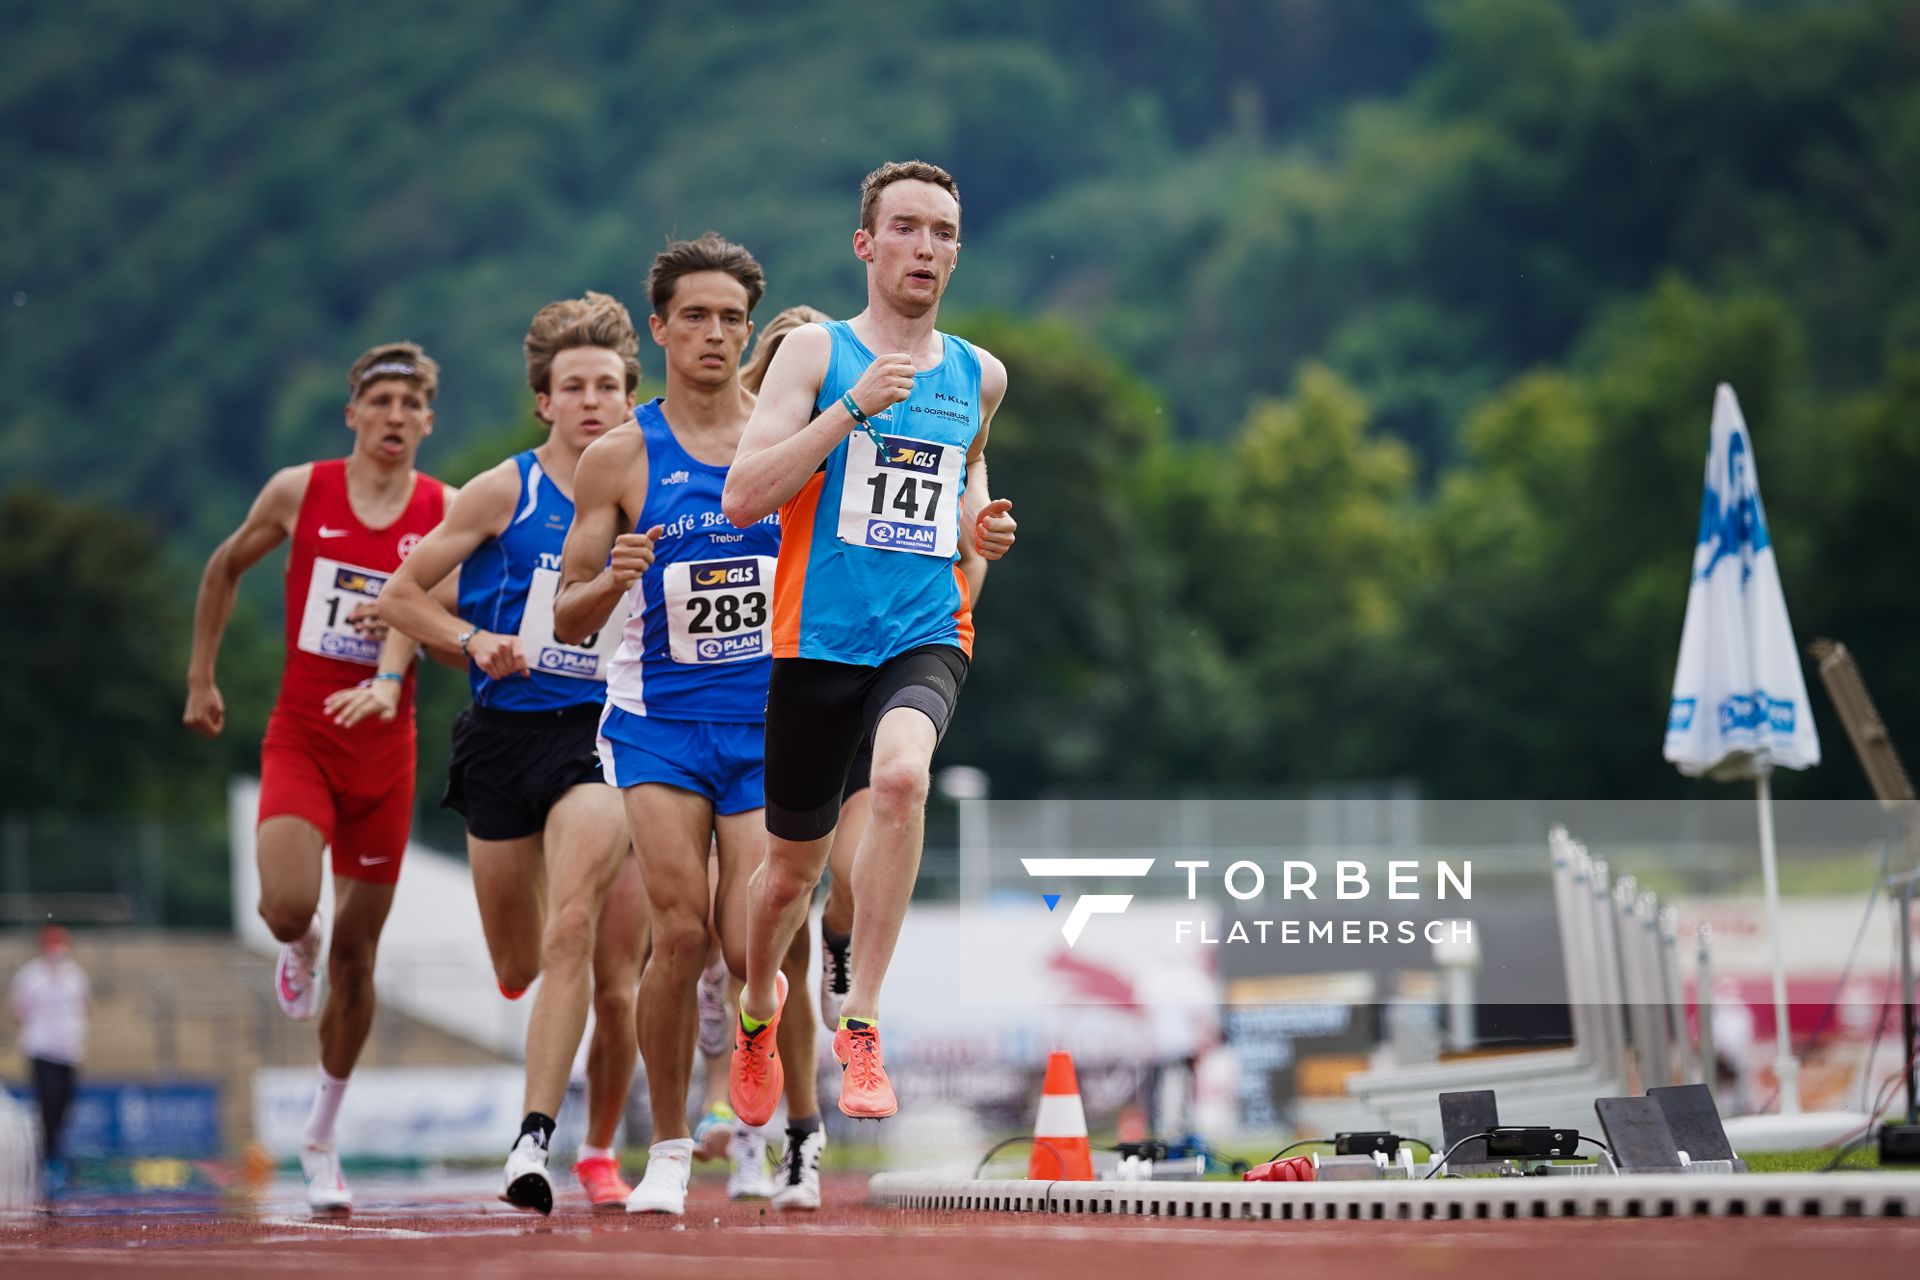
(390, 368)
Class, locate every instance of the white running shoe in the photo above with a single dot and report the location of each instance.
(327, 1190)
(663, 1188)
(526, 1183)
(749, 1179)
(716, 1028)
(796, 1178)
(296, 976)
(836, 977)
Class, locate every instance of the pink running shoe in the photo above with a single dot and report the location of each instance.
(600, 1178)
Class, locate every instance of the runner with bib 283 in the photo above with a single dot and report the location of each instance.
(687, 692)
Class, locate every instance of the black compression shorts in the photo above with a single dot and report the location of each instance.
(817, 713)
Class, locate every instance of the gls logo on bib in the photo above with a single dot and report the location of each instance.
(717, 575)
(913, 456)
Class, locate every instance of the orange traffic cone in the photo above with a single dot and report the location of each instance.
(1061, 1152)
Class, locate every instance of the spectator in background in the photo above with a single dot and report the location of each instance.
(49, 997)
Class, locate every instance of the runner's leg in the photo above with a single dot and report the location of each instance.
(836, 917)
(289, 853)
(888, 860)
(672, 832)
(510, 886)
(586, 841)
(743, 840)
(360, 913)
(618, 946)
(781, 896)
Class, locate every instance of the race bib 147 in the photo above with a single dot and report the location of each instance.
(905, 497)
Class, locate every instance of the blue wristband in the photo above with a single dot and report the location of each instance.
(394, 676)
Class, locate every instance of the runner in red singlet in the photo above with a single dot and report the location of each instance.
(337, 764)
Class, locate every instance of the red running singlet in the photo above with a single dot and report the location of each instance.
(335, 565)
(354, 785)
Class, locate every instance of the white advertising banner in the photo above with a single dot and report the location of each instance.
(395, 1112)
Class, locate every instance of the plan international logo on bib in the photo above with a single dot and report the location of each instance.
(570, 662)
(893, 533)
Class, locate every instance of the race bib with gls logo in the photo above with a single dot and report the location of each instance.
(584, 661)
(903, 498)
(334, 592)
(719, 610)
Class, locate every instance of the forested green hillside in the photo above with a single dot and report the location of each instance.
(1362, 350)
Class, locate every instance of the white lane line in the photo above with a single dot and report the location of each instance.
(398, 1233)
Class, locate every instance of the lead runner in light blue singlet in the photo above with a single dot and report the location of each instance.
(524, 772)
(869, 438)
(682, 735)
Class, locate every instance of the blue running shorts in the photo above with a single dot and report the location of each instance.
(725, 761)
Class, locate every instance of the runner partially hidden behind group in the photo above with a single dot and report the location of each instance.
(680, 718)
(559, 893)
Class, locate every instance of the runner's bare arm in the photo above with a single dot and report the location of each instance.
(785, 443)
(990, 522)
(380, 694)
(268, 524)
(599, 562)
(413, 600)
(972, 567)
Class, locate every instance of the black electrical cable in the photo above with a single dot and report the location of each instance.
(1304, 1142)
(1441, 1163)
(1232, 1165)
(1004, 1143)
(1880, 1101)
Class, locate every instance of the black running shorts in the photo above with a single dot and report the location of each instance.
(860, 772)
(509, 768)
(817, 713)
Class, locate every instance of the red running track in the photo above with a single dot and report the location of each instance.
(448, 1227)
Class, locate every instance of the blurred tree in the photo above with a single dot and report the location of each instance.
(1077, 671)
(97, 682)
(1307, 548)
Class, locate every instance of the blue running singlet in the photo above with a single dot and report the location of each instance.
(507, 587)
(869, 564)
(698, 639)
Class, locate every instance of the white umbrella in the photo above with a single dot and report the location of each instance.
(1740, 705)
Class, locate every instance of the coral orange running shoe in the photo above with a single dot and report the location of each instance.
(865, 1093)
(600, 1178)
(755, 1075)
